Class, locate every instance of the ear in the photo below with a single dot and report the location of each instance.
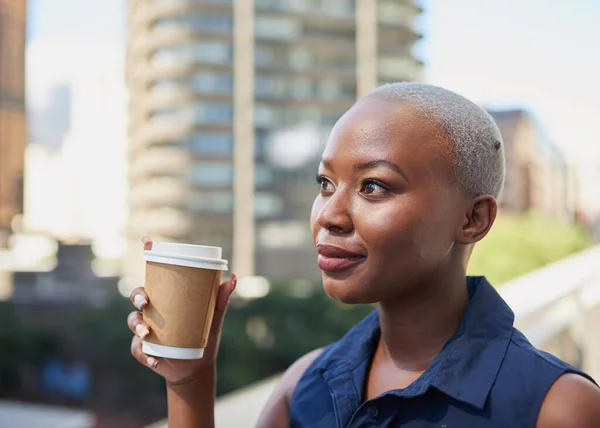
(478, 220)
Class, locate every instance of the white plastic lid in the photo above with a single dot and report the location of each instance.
(198, 256)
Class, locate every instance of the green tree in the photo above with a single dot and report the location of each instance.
(517, 245)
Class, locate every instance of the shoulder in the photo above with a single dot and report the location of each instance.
(295, 371)
(276, 413)
(532, 360)
(570, 399)
(572, 402)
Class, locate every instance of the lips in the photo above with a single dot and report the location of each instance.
(334, 259)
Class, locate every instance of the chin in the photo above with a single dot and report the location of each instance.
(348, 292)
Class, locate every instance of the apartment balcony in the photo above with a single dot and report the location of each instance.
(153, 132)
(391, 69)
(171, 222)
(163, 8)
(182, 35)
(158, 192)
(170, 161)
(315, 43)
(397, 14)
(343, 73)
(344, 16)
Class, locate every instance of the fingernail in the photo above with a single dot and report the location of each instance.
(141, 330)
(139, 301)
(152, 362)
(233, 280)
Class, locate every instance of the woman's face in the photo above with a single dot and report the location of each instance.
(388, 210)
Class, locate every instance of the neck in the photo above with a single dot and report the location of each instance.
(414, 329)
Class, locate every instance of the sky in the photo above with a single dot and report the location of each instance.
(539, 54)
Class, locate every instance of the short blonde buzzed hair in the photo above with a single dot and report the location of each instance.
(479, 163)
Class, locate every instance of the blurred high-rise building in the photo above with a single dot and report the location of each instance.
(48, 126)
(211, 79)
(12, 112)
(538, 175)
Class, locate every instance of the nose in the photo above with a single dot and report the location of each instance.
(334, 214)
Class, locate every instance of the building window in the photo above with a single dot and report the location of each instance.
(220, 174)
(394, 12)
(261, 139)
(213, 113)
(397, 68)
(195, 22)
(212, 174)
(212, 143)
(267, 205)
(215, 202)
(205, 82)
(170, 116)
(166, 85)
(277, 27)
(335, 90)
(172, 55)
(302, 88)
(212, 52)
(338, 8)
(263, 175)
(269, 86)
(301, 58)
(267, 116)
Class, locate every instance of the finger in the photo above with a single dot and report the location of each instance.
(136, 351)
(139, 298)
(147, 241)
(223, 297)
(225, 291)
(136, 324)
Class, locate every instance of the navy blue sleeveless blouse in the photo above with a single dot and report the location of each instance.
(486, 375)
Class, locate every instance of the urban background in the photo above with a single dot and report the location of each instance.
(202, 121)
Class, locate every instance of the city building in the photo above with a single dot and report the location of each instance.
(230, 104)
(538, 176)
(12, 112)
(76, 179)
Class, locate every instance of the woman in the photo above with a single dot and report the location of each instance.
(409, 181)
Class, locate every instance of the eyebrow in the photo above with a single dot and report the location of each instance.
(370, 165)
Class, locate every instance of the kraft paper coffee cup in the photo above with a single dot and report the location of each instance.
(182, 283)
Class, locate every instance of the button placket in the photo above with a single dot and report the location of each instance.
(373, 411)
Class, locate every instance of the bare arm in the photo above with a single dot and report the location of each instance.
(276, 413)
(192, 404)
(572, 402)
(191, 384)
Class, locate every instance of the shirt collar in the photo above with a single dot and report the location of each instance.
(474, 355)
(469, 362)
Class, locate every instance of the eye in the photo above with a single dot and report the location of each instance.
(373, 187)
(324, 184)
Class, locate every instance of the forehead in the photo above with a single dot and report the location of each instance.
(377, 128)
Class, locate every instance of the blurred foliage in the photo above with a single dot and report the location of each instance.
(261, 337)
(21, 344)
(106, 347)
(517, 245)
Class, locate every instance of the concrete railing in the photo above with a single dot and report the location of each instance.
(556, 307)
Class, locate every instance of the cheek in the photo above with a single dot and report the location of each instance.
(405, 229)
(314, 214)
(385, 224)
